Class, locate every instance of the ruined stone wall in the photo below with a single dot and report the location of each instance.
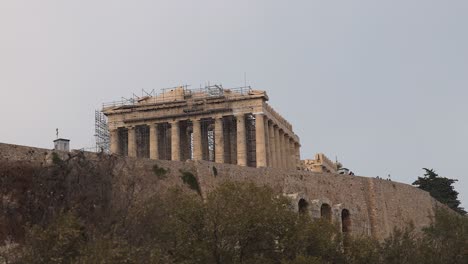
(376, 206)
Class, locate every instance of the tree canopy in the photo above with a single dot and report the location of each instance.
(236, 223)
(441, 188)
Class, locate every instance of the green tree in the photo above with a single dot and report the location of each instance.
(402, 247)
(440, 188)
(246, 223)
(59, 243)
(236, 223)
(446, 239)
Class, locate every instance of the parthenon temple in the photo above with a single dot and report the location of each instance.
(235, 126)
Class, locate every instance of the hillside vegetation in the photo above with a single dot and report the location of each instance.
(67, 213)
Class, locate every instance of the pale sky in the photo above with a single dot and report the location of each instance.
(383, 85)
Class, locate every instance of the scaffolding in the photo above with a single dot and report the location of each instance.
(180, 93)
(101, 133)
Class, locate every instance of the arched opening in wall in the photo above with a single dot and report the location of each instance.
(326, 212)
(345, 221)
(303, 206)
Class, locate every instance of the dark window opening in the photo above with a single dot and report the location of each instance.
(326, 212)
(345, 221)
(303, 206)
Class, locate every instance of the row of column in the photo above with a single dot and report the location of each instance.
(281, 149)
(273, 147)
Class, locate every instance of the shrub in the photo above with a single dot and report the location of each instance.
(56, 159)
(189, 179)
(161, 173)
(60, 242)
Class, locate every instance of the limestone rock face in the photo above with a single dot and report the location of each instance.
(32, 190)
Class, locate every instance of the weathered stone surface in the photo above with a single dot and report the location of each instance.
(376, 206)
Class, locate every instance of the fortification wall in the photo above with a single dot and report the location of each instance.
(376, 206)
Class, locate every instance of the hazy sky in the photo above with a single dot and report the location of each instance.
(383, 85)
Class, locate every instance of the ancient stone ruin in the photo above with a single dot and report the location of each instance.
(233, 126)
(218, 135)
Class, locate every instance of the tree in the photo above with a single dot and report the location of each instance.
(236, 223)
(59, 243)
(441, 189)
(446, 239)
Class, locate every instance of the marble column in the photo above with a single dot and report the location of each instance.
(153, 141)
(197, 140)
(219, 140)
(114, 141)
(292, 153)
(241, 141)
(277, 147)
(132, 146)
(272, 141)
(297, 148)
(281, 150)
(287, 151)
(267, 142)
(175, 140)
(260, 142)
